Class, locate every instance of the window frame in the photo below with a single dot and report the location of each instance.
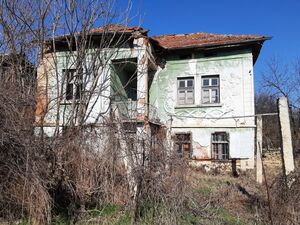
(210, 88)
(73, 85)
(186, 89)
(180, 143)
(225, 155)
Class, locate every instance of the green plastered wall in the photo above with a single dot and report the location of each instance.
(235, 70)
(236, 87)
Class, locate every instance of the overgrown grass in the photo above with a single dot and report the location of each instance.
(116, 215)
(226, 217)
(60, 220)
(208, 189)
(104, 210)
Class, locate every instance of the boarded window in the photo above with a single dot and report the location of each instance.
(220, 145)
(185, 93)
(183, 144)
(210, 89)
(74, 85)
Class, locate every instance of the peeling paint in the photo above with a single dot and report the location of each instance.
(234, 68)
(236, 100)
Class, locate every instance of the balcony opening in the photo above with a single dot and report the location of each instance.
(124, 79)
(124, 87)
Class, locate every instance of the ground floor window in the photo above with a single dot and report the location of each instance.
(183, 144)
(220, 145)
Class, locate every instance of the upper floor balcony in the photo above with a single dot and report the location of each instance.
(130, 110)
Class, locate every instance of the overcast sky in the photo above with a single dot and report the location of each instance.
(277, 18)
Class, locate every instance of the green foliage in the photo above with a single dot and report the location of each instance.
(104, 210)
(60, 220)
(125, 219)
(204, 191)
(189, 218)
(226, 217)
(23, 222)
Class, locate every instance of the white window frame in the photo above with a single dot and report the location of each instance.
(208, 89)
(220, 146)
(186, 93)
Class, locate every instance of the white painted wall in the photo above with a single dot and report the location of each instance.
(50, 75)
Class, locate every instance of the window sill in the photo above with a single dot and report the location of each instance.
(199, 106)
(211, 105)
(186, 106)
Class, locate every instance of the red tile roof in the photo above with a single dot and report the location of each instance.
(203, 39)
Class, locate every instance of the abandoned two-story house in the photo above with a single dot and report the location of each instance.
(200, 86)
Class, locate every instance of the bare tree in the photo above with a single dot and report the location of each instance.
(280, 79)
(94, 146)
(264, 103)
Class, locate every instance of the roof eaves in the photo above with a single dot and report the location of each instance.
(65, 37)
(230, 43)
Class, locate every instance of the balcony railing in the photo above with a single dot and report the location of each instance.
(129, 110)
(125, 110)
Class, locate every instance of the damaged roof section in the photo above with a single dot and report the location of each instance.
(164, 44)
(209, 42)
(108, 36)
(118, 28)
(204, 40)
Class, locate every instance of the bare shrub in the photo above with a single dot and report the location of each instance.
(85, 175)
(285, 200)
(83, 163)
(162, 186)
(23, 165)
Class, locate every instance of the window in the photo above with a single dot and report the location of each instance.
(210, 89)
(220, 145)
(185, 95)
(183, 144)
(73, 84)
(130, 127)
